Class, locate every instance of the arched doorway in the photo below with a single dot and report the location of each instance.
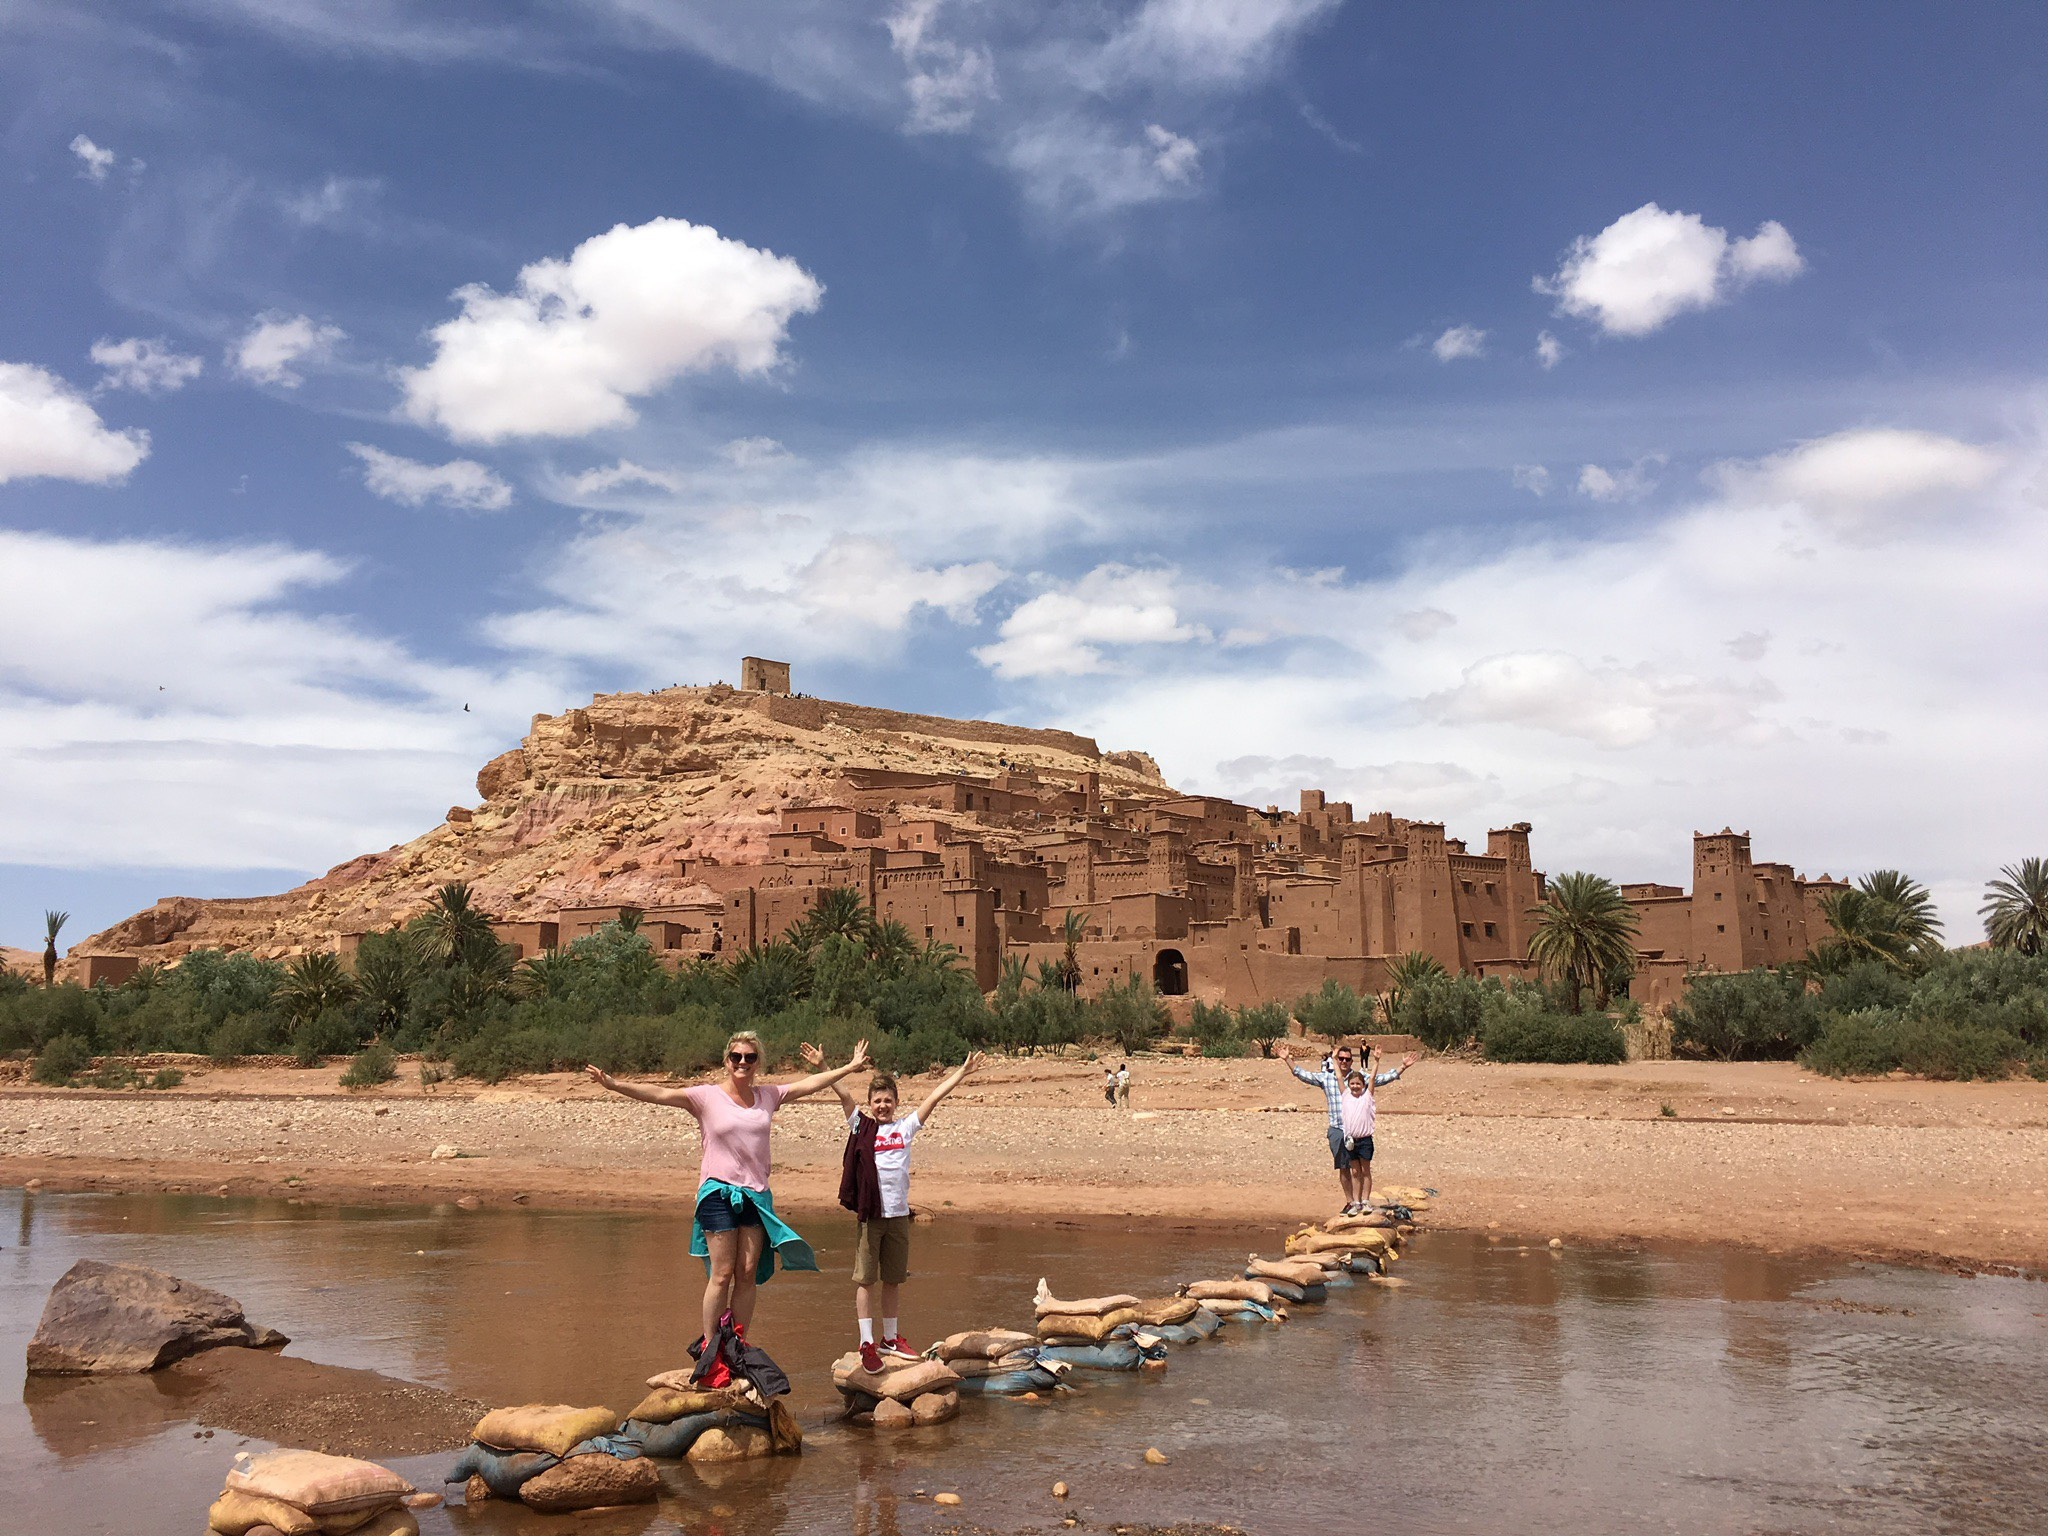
(1170, 973)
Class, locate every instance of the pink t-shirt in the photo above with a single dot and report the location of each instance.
(735, 1138)
(1358, 1112)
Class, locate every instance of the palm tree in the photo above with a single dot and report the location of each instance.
(1862, 927)
(549, 974)
(455, 929)
(388, 965)
(1584, 936)
(2015, 909)
(1912, 908)
(891, 947)
(1073, 929)
(840, 913)
(52, 923)
(1405, 974)
(312, 984)
(630, 919)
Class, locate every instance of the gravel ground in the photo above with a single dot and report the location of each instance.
(1953, 1174)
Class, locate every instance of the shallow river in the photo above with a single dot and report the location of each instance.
(1505, 1388)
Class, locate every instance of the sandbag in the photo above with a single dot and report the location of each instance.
(1298, 1271)
(1167, 1311)
(1287, 1290)
(1364, 1264)
(503, 1472)
(665, 1404)
(316, 1482)
(1172, 1333)
(1315, 1293)
(1016, 1360)
(739, 1442)
(1030, 1378)
(1245, 1312)
(235, 1513)
(982, 1344)
(1047, 1305)
(1087, 1329)
(552, 1427)
(1109, 1355)
(900, 1383)
(1311, 1241)
(397, 1521)
(1228, 1290)
(591, 1482)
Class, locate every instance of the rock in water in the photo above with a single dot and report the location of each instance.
(589, 1481)
(935, 1407)
(117, 1319)
(741, 1442)
(890, 1414)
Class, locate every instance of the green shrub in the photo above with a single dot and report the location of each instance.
(61, 1060)
(373, 1065)
(166, 1077)
(1335, 1010)
(1881, 1040)
(1536, 1034)
(1758, 1015)
(113, 1074)
(1445, 1012)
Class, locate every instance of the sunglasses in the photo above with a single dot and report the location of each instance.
(741, 1058)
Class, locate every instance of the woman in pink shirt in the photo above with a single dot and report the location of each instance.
(737, 1232)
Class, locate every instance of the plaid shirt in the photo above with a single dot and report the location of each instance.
(1333, 1089)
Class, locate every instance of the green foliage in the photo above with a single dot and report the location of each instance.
(113, 1074)
(1335, 1010)
(1214, 1030)
(1263, 1024)
(375, 1064)
(1968, 1014)
(1584, 938)
(1131, 1014)
(165, 1077)
(1884, 918)
(1524, 1027)
(1758, 1015)
(313, 984)
(2015, 909)
(61, 1060)
(1444, 1012)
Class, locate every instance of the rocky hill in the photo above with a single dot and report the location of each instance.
(596, 805)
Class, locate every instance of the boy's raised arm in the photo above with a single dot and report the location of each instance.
(947, 1084)
(804, 1087)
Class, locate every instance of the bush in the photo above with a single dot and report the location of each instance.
(1334, 1011)
(1445, 1012)
(113, 1074)
(376, 1064)
(1532, 1032)
(1758, 1015)
(1881, 1040)
(61, 1060)
(166, 1077)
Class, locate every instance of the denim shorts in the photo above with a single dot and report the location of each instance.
(1346, 1151)
(715, 1213)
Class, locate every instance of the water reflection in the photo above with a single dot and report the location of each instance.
(1508, 1385)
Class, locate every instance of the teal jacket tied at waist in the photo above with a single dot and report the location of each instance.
(782, 1238)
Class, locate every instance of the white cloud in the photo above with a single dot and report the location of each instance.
(48, 430)
(147, 367)
(946, 81)
(272, 349)
(1549, 350)
(1632, 482)
(1423, 623)
(1177, 160)
(1609, 705)
(628, 313)
(1649, 266)
(337, 203)
(747, 452)
(188, 716)
(1870, 479)
(1061, 633)
(1533, 478)
(1459, 341)
(94, 162)
(870, 584)
(1078, 167)
(460, 483)
(1206, 43)
(600, 482)
(1750, 645)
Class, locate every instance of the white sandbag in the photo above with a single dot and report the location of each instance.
(899, 1383)
(1048, 1305)
(981, 1344)
(316, 1482)
(1211, 1291)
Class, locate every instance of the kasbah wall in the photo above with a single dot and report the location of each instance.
(1208, 899)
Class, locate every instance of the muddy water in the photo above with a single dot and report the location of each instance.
(1506, 1387)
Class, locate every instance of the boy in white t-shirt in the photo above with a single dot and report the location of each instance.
(876, 1186)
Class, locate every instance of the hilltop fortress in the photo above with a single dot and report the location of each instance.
(722, 813)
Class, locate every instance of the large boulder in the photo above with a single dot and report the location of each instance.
(117, 1319)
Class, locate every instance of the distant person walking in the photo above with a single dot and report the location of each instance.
(1123, 1085)
(736, 1231)
(1109, 1085)
(1333, 1080)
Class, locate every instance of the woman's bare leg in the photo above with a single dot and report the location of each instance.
(718, 1289)
(751, 1241)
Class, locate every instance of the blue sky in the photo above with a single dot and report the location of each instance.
(1627, 419)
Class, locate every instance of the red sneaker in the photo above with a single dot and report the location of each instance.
(900, 1346)
(870, 1358)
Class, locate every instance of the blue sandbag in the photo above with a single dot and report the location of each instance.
(1176, 1333)
(1286, 1290)
(502, 1471)
(623, 1447)
(1247, 1312)
(1109, 1355)
(1030, 1378)
(672, 1441)
(1339, 1277)
(1204, 1322)
(1314, 1293)
(1365, 1264)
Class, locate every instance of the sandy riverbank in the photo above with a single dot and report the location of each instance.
(1944, 1173)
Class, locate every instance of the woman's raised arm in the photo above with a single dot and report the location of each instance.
(674, 1097)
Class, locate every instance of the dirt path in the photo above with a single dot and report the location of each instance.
(1952, 1174)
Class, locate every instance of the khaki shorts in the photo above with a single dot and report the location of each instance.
(881, 1252)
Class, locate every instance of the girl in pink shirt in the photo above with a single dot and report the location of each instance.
(736, 1217)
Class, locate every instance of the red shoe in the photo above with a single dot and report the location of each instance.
(870, 1358)
(900, 1346)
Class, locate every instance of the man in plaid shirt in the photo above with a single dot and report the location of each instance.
(1351, 1171)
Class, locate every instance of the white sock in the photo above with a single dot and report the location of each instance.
(867, 1330)
(888, 1327)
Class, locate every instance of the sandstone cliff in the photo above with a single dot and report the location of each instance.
(596, 806)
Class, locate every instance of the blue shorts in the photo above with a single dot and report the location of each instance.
(715, 1213)
(1345, 1151)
